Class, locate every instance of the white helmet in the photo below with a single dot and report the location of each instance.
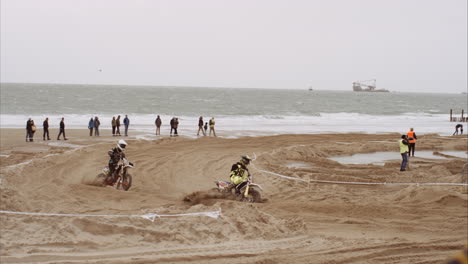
(122, 144)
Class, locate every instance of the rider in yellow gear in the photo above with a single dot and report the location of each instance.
(239, 172)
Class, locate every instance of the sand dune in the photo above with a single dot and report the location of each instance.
(299, 222)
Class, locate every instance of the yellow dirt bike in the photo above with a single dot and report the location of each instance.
(246, 191)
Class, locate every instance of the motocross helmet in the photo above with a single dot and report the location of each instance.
(246, 159)
(122, 144)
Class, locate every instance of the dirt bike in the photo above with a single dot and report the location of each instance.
(122, 180)
(246, 191)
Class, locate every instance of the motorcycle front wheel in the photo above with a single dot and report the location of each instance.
(125, 183)
(253, 196)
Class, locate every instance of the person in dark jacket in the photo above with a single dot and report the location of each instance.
(97, 123)
(45, 125)
(176, 125)
(62, 129)
(206, 127)
(172, 125)
(158, 123)
(28, 130)
(126, 122)
(117, 126)
(200, 126)
(458, 126)
(114, 125)
(91, 127)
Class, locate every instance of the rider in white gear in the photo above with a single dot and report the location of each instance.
(116, 154)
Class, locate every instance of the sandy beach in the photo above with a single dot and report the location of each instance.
(299, 221)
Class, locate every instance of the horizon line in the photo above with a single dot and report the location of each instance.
(213, 87)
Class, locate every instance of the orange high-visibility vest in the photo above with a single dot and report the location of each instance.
(410, 134)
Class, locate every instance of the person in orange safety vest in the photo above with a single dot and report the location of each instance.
(412, 141)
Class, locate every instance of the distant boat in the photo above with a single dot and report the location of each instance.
(310, 88)
(367, 86)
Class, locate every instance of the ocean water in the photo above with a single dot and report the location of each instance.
(238, 112)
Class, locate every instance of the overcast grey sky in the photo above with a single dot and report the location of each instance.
(407, 45)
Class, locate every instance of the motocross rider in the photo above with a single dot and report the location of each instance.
(240, 172)
(116, 154)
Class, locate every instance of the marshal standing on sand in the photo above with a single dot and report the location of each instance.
(404, 151)
(412, 141)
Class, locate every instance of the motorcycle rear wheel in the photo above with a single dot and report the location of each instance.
(125, 183)
(100, 180)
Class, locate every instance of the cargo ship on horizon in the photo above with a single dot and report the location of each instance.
(367, 86)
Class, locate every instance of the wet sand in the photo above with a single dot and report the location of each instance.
(299, 222)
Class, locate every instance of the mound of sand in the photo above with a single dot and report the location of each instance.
(299, 222)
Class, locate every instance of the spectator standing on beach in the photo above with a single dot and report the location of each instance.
(91, 127)
(117, 124)
(172, 125)
(458, 126)
(33, 130)
(97, 123)
(62, 129)
(200, 126)
(212, 124)
(404, 151)
(126, 122)
(176, 125)
(45, 125)
(158, 123)
(206, 127)
(114, 125)
(28, 130)
(412, 141)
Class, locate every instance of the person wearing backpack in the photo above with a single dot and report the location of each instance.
(212, 124)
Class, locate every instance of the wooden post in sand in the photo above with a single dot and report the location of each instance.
(462, 119)
(450, 115)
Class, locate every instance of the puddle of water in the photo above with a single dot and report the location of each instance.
(66, 145)
(459, 154)
(379, 158)
(295, 164)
